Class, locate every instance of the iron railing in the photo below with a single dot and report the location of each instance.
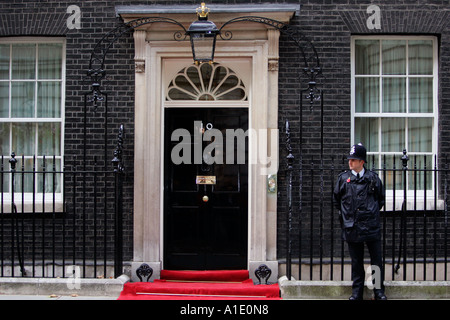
(59, 220)
(414, 219)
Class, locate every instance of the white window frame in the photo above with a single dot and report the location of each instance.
(399, 192)
(29, 200)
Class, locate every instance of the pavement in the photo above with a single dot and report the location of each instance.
(110, 289)
(61, 288)
(22, 297)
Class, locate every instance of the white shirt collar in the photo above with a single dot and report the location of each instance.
(361, 173)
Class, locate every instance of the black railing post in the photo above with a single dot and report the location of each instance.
(415, 221)
(435, 178)
(425, 231)
(445, 219)
(118, 174)
(12, 163)
(2, 179)
(290, 161)
(402, 244)
(332, 221)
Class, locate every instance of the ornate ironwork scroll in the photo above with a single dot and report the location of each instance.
(117, 160)
(311, 69)
(263, 272)
(118, 173)
(97, 61)
(144, 271)
(290, 161)
(311, 61)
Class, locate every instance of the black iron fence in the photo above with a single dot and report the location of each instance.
(414, 219)
(57, 220)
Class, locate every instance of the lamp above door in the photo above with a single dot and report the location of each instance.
(203, 35)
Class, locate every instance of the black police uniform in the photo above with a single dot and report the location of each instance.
(359, 200)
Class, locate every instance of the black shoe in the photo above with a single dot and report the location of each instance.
(380, 296)
(354, 297)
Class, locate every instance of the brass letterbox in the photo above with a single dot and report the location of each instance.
(205, 180)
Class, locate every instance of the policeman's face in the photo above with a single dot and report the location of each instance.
(355, 164)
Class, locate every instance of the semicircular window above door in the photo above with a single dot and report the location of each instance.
(206, 82)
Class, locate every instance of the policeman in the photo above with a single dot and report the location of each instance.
(359, 195)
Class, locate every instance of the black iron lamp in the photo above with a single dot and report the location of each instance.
(203, 35)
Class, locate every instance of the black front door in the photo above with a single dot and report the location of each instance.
(205, 192)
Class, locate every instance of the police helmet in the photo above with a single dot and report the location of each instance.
(358, 151)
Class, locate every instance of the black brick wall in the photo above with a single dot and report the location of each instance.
(330, 25)
(48, 18)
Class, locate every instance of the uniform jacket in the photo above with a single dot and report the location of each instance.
(359, 202)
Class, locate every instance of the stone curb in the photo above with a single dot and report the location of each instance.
(433, 290)
(62, 286)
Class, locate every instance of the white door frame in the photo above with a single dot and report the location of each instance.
(152, 48)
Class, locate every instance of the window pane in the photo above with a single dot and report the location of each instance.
(5, 177)
(4, 139)
(4, 99)
(27, 185)
(420, 56)
(235, 94)
(421, 95)
(219, 75)
(372, 163)
(394, 95)
(49, 139)
(48, 184)
(183, 83)
(394, 56)
(50, 61)
(176, 94)
(23, 138)
(392, 134)
(22, 99)
(416, 175)
(230, 82)
(24, 61)
(49, 100)
(4, 61)
(366, 132)
(420, 134)
(367, 94)
(206, 71)
(367, 55)
(30, 87)
(205, 83)
(393, 177)
(193, 75)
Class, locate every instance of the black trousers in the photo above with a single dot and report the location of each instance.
(356, 250)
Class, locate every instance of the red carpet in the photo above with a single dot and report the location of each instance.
(200, 285)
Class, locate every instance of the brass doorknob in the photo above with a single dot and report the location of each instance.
(205, 198)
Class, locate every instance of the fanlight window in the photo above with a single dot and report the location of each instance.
(206, 82)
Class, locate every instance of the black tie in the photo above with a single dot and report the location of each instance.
(357, 176)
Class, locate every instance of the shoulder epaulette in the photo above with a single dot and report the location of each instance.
(342, 173)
